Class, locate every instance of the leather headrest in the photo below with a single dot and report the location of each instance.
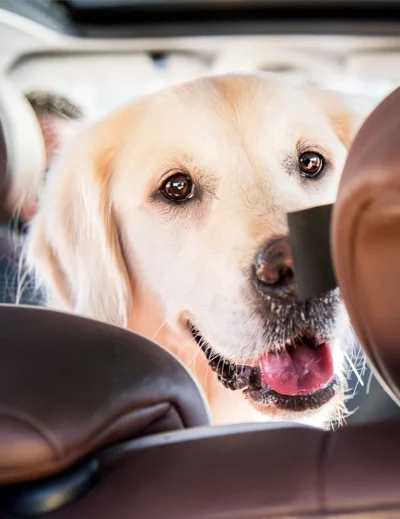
(366, 240)
(70, 386)
(23, 149)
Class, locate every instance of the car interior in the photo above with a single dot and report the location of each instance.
(96, 421)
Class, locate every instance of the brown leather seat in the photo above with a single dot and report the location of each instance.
(70, 386)
(366, 240)
(249, 471)
(110, 406)
(86, 399)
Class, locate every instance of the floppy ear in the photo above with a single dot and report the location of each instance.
(73, 244)
(346, 112)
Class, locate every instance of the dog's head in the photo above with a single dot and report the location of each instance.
(184, 195)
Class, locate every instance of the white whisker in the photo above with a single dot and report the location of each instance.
(354, 369)
(160, 328)
(369, 382)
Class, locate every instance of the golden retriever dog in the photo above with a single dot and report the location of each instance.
(168, 217)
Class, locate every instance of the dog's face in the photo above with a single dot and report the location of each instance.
(185, 195)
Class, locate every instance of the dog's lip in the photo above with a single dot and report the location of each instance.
(249, 378)
(267, 397)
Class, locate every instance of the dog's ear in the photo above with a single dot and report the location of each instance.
(346, 112)
(74, 245)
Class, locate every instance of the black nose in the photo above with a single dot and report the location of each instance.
(273, 270)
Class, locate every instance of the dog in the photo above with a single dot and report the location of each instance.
(168, 217)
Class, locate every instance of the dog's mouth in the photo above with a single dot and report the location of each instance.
(299, 376)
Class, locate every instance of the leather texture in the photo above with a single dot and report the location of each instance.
(70, 386)
(289, 471)
(366, 240)
(248, 472)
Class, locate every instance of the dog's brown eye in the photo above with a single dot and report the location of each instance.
(311, 164)
(178, 187)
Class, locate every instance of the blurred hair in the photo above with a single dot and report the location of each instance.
(46, 103)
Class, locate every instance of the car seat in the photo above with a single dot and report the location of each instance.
(22, 149)
(98, 422)
(22, 163)
(366, 240)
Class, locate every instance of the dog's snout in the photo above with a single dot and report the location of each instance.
(273, 270)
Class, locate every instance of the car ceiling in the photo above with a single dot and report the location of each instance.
(100, 73)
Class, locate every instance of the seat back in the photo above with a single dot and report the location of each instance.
(21, 167)
(366, 240)
(22, 146)
(70, 386)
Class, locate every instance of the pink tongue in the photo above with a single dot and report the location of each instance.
(298, 371)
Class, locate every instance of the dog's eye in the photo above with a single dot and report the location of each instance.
(178, 187)
(311, 164)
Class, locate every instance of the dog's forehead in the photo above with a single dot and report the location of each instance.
(249, 105)
(217, 119)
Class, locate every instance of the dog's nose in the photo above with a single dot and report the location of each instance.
(273, 270)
